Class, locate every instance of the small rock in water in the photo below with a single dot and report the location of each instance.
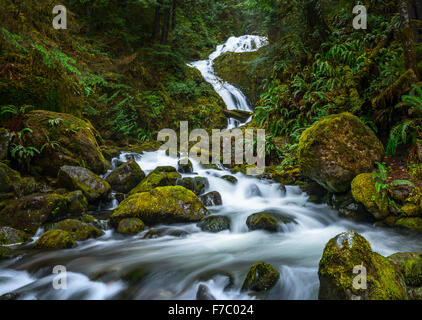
(204, 293)
(269, 221)
(214, 224)
(261, 277)
(253, 191)
(230, 179)
(211, 199)
(184, 168)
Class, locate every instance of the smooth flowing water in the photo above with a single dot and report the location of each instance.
(232, 96)
(174, 264)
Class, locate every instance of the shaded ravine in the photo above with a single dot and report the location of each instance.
(174, 265)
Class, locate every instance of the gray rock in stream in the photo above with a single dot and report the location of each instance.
(204, 293)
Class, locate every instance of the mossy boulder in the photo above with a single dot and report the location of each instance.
(5, 253)
(159, 177)
(214, 224)
(10, 236)
(161, 205)
(11, 182)
(184, 167)
(229, 178)
(261, 277)
(211, 199)
(238, 69)
(410, 265)
(78, 230)
(30, 212)
(78, 204)
(77, 178)
(414, 224)
(4, 143)
(130, 226)
(336, 149)
(55, 239)
(78, 140)
(197, 185)
(269, 221)
(364, 192)
(126, 177)
(350, 251)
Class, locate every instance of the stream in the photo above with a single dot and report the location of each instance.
(174, 264)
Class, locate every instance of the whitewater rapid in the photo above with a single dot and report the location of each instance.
(232, 96)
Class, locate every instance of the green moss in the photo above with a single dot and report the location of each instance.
(214, 224)
(363, 191)
(55, 239)
(160, 177)
(130, 226)
(261, 277)
(78, 230)
(414, 224)
(341, 255)
(161, 205)
(269, 221)
(11, 236)
(410, 265)
(336, 149)
(126, 177)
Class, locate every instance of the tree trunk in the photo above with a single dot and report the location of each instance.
(315, 20)
(166, 25)
(408, 38)
(174, 15)
(157, 23)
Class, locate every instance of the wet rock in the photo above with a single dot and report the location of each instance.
(78, 230)
(4, 143)
(154, 233)
(347, 252)
(317, 194)
(77, 178)
(11, 182)
(130, 226)
(126, 177)
(204, 293)
(55, 239)
(214, 224)
(253, 191)
(185, 168)
(161, 205)
(160, 177)
(410, 210)
(197, 185)
(414, 224)
(5, 253)
(336, 149)
(230, 179)
(77, 203)
(268, 220)
(30, 212)
(364, 192)
(410, 265)
(261, 277)
(10, 236)
(399, 193)
(78, 139)
(211, 199)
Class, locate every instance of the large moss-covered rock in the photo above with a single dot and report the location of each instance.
(341, 256)
(130, 226)
(336, 149)
(414, 224)
(261, 277)
(126, 177)
(269, 221)
(410, 265)
(237, 69)
(364, 192)
(77, 178)
(160, 177)
(77, 138)
(78, 230)
(161, 205)
(55, 239)
(11, 236)
(11, 182)
(214, 224)
(30, 212)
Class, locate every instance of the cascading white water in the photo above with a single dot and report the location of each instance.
(174, 265)
(232, 96)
